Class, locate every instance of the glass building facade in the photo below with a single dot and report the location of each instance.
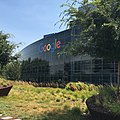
(67, 68)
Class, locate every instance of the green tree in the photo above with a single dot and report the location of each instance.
(12, 70)
(100, 35)
(6, 49)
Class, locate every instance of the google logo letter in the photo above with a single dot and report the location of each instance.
(50, 46)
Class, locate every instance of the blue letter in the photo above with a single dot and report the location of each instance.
(41, 47)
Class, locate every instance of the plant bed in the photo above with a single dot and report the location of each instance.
(5, 87)
(5, 90)
(99, 112)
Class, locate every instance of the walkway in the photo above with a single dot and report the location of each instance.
(8, 118)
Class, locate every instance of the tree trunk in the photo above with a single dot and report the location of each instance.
(118, 81)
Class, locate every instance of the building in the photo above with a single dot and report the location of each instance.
(67, 68)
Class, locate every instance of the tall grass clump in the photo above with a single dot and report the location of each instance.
(73, 86)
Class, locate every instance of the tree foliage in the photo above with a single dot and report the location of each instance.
(6, 49)
(12, 70)
(100, 21)
(100, 35)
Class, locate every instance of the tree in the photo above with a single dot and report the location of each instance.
(100, 35)
(12, 70)
(6, 49)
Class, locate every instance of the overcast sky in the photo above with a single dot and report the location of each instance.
(29, 20)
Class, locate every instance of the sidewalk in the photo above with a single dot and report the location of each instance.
(8, 118)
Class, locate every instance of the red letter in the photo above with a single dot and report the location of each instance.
(44, 48)
(58, 44)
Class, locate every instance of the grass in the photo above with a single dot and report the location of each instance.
(32, 103)
(108, 95)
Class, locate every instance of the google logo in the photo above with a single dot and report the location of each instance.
(50, 46)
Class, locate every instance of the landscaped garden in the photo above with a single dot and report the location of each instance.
(99, 38)
(44, 103)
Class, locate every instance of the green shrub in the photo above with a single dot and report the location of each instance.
(108, 98)
(4, 83)
(80, 86)
(12, 70)
(71, 86)
(75, 111)
(58, 99)
(107, 94)
(92, 87)
(67, 106)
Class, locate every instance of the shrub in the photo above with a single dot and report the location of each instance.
(12, 70)
(71, 86)
(108, 98)
(4, 83)
(58, 99)
(107, 94)
(83, 85)
(75, 111)
(79, 86)
(67, 106)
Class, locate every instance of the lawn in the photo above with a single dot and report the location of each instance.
(37, 103)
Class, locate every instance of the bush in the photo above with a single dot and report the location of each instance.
(107, 94)
(4, 83)
(12, 70)
(80, 86)
(108, 98)
(75, 111)
(71, 86)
